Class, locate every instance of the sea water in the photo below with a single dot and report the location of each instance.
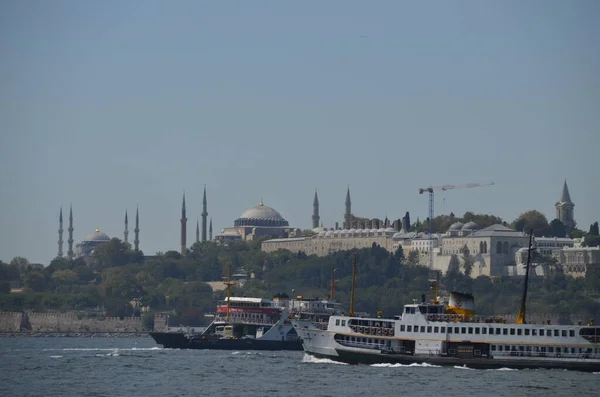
(138, 367)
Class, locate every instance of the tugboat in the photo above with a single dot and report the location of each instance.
(243, 323)
(451, 334)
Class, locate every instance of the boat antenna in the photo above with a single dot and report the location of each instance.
(332, 286)
(521, 315)
(352, 290)
(228, 284)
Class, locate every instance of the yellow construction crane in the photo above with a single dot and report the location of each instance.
(430, 190)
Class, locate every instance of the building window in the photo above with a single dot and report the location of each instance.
(444, 330)
(505, 247)
(343, 323)
(519, 331)
(402, 328)
(484, 331)
(564, 333)
(571, 333)
(409, 328)
(534, 332)
(477, 331)
(499, 247)
(337, 322)
(436, 329)
(527, 331)
(512, 331)
(429, 329)
(541, 332)
(556, 332)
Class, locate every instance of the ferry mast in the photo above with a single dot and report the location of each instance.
(332, 286)
(228, 284)
(521, 315)
(351, 314)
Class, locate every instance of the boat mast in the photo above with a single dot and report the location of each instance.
(228, 283)
(352, 290)
(521, 315)
(332, 286)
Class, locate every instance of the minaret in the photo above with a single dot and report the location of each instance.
(197, 230)
(348, 213)
(565, 208)
(210, 230)
(60, 234)
(126, 232)
(183, 226)
(315, 217)
(70, 254)
(204, 214)
(136, 241)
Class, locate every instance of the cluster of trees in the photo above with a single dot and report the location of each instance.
(178, 283)
(528, 221)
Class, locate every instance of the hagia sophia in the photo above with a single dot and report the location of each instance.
(495, 250)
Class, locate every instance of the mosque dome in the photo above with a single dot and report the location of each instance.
(329, 233)
(97, 236)
(470, 226)
(261, 215)
(456, 226)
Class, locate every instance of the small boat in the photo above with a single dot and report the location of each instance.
(451, 334)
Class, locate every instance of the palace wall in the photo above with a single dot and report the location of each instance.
(66, 322)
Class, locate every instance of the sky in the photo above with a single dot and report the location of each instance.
(114, 104)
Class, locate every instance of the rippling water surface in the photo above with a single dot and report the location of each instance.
(137, 367)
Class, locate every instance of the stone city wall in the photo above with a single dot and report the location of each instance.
(66, 322)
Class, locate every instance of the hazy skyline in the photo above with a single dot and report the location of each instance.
(110, 104)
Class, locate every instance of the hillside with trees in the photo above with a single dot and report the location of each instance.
(177, 283)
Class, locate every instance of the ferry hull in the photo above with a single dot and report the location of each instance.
(172, 340)
(354, 357)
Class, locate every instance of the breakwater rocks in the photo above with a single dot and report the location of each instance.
(74, 335)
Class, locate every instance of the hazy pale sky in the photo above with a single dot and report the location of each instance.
(108, 104)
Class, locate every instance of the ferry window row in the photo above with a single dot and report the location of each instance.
(484, 331)
(544, 349)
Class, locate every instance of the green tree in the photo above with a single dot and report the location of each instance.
(4, 287)
(591, 241)
(114, 253)
(20, 263)
(557, 229)
(64, 277)
(9, 272)
(148, 321)
(594, 229)
(35, 281)
(413, 258)
(532, 220)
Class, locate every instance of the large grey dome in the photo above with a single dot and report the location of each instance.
(97, 236)
(456, 226)
(261, 215)
(470, 226)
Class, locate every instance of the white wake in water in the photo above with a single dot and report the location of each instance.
(423, 365)
(463, 367)
(313, 360)
(104, 349)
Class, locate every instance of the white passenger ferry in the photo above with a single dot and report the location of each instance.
(451, 334)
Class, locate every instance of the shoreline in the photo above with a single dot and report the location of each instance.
(74, 335)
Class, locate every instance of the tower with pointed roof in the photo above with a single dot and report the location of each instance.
(136, 241)
(60, 234)
(183, 226)
(315, 216)
(126, 232)
(204, 215)
(565, 209)
(70, 253)
(348, 212)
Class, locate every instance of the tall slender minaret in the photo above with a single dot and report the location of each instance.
(315, 216)
(183, 226)
(197, 230)
(60, 234)
(70, 253)
(126, 232)
(210, 230)
(348, 213)
(565, 208)
(204, 215)
(136, 241)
